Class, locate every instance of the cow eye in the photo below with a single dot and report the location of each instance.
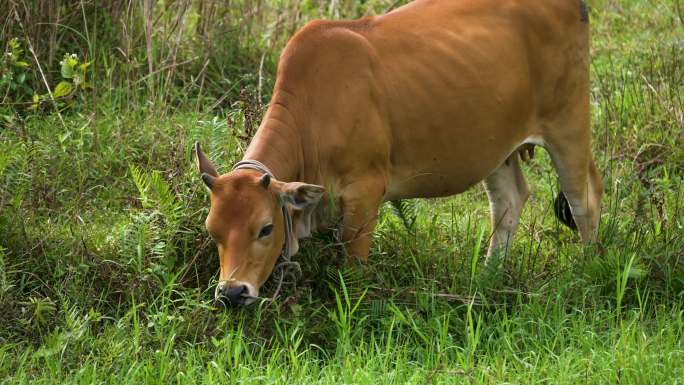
(266, 230)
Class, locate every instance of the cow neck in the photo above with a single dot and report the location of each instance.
(277, 144)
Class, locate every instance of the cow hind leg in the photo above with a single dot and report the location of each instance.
(507, 192)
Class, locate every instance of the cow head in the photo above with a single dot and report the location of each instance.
(247, 222)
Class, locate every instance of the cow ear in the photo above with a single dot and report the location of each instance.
(301, 195)
(208, 180)
(204, 165)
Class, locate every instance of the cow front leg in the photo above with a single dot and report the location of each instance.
(360, 204)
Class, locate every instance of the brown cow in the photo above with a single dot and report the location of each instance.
(425, 101)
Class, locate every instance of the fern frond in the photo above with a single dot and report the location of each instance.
(407, 211)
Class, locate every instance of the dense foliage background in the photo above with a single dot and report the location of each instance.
(107, 273)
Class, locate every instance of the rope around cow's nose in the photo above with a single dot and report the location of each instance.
(285, 268)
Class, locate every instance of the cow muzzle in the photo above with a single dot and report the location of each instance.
(234, 293)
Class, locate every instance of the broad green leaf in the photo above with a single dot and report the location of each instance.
(67, 69)
(63, 89)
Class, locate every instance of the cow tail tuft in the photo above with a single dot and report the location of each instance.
(561, 208)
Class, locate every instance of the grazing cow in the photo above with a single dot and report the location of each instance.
(425, 101)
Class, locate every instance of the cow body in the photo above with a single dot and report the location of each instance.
(427, 101)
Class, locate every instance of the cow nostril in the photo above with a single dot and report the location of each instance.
(235, 294)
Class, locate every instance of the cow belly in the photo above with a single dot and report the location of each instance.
(443, 173)
(450, 147)
(455, 151)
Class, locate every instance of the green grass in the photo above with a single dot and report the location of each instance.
(107, 274)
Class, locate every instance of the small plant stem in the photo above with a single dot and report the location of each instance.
(40, 69)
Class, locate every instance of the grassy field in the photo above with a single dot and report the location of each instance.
(107, 272)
